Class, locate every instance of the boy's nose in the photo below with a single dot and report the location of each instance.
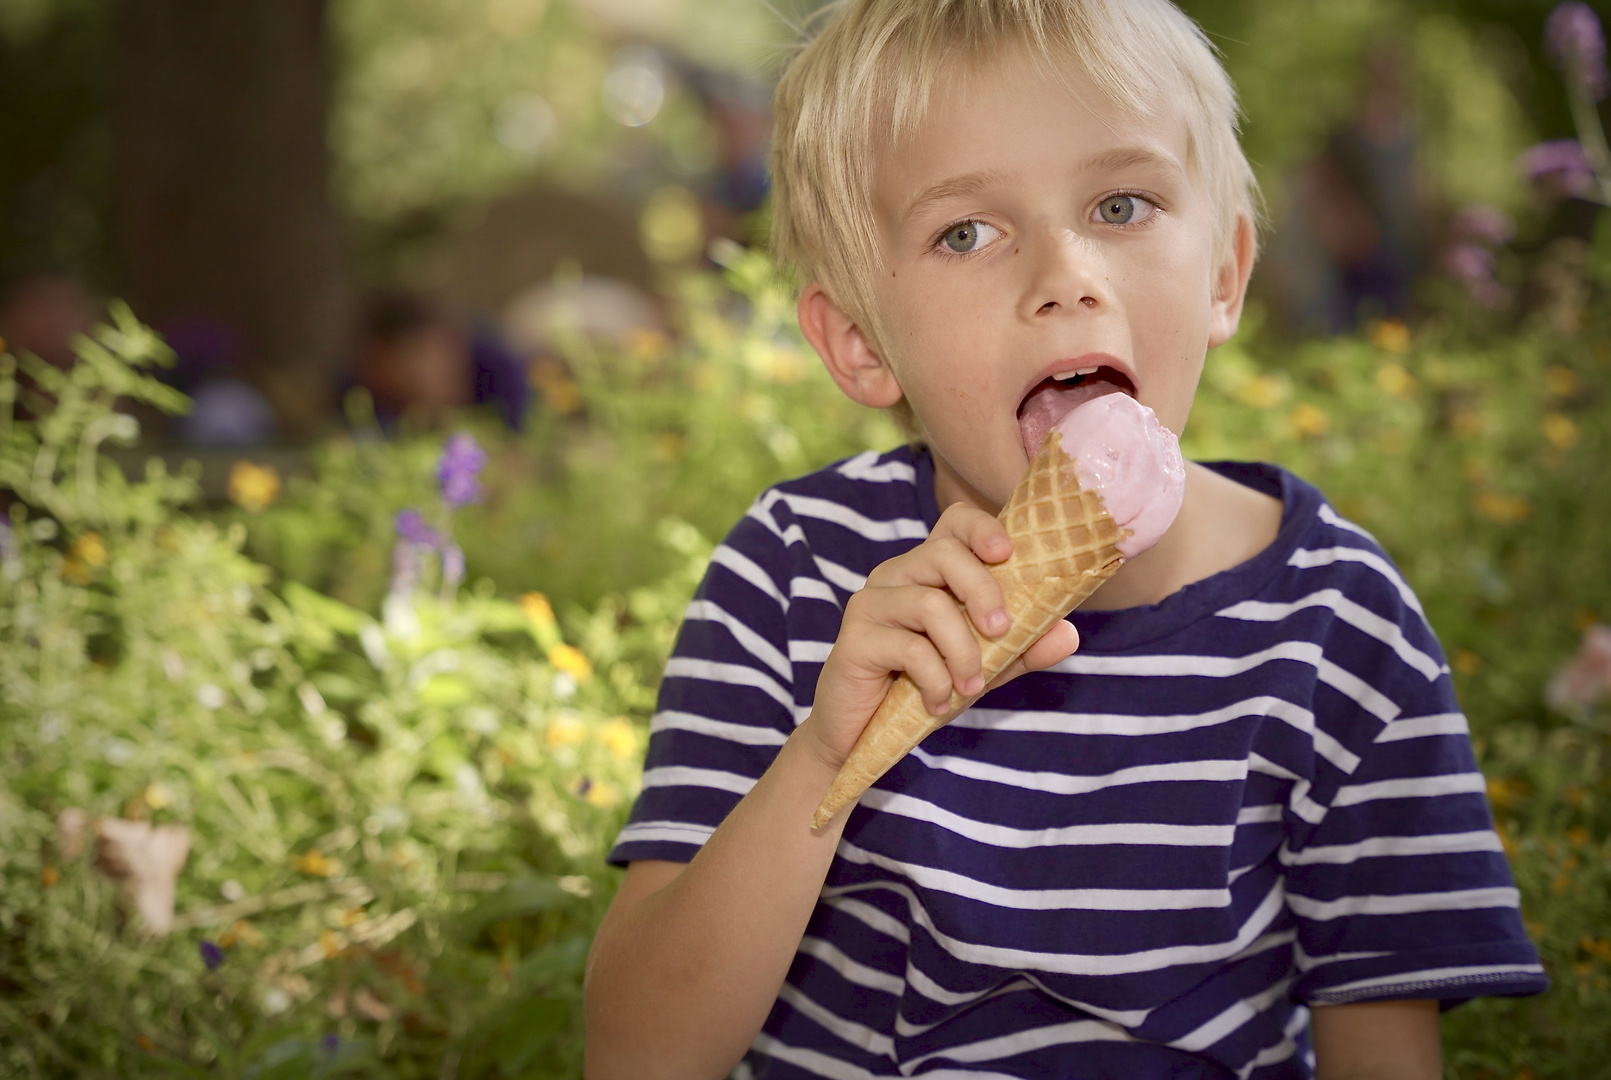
(1066, 277)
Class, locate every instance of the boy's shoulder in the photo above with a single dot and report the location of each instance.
(872, 497)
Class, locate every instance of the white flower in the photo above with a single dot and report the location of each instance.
(210, 696)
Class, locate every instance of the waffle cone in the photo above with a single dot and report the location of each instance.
(1064, 547)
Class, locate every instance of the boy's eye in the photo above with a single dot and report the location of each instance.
(967, 236)
(1125, 209)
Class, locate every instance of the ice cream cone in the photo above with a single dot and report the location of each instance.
(1065, 545)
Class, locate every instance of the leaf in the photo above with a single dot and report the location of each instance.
(528, 1029)
(522, 896)
(324, 611)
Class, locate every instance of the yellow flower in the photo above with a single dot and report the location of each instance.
(1390, 335)
(49, 876)
(91, 549)
(602, 794)
(621, 737)
(1597, 947)
(1502, 509)
(253, 488)
(75, 570)
(316, 863)
(564, 731)
(1262, 392)
(559, 390)
(538, 609)
(1466, 662)
(1560, 380)
(1560, 431)
(1393, 379)
(1306, 419)
(1503, 792)
(241, 933)
(158, 796)
(350, 917)
(329, 944)
(569, 659)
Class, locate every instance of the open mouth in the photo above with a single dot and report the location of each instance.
(1055, 397)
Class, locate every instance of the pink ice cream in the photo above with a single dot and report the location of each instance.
(1122, 451)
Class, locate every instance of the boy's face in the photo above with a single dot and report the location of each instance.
(1027, 235)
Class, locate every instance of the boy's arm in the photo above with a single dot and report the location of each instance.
(1377, 1040)
(688, 961)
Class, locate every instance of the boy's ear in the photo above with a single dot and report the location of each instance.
(846, 352)
(1230, 284)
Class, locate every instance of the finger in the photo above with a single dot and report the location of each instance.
(945, 562)
(980, 532)
(934, 614)
(893, 649)
(1053, 647)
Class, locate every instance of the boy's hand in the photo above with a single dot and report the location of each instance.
(906, 619)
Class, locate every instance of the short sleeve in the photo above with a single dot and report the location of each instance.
(727, 701)
(1399, 886)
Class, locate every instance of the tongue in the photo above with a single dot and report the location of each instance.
(1050, 402)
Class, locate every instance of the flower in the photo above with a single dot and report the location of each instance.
(1472, 265)
(253, 487)
(1390, 335)
(1573, 37)
(1561, 432)
(211, 955)
(1307, 419)
(462, 459)
(1580, 683)
(569, 659)
(1560, 167)
(411, 527)
(316, 863)
(452, 567)
(621, 738)
(537, 609)
(564, 731)
(1483, 223)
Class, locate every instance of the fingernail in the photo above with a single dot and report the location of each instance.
(941, 709)
(973, 685)
(997, 620)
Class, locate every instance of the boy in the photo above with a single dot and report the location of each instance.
(1240, 832)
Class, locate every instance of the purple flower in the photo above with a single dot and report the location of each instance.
(461, 460)
(452, 566)
(1472, 265)
(1482, 223)
(1573, 36)
(1559, 166)
(211, 955)
(411, 527)
(330, 1043)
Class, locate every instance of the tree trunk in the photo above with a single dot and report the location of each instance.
(223, 177)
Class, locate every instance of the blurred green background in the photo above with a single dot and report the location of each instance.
(394, 750)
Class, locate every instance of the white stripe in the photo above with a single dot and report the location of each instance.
(802, 651)
(844, 516)
(1384, 846)
(834, 574)
(1332, 518)
(873, 917)
(749, 570)
(1413, 787)
(1419, 727)
(676, 831)
(1065, 784)
(946, 881)
(1369, 698)
(1405, 903)
(1259, 814)
(688, 667)
(847, 1030)
(1131, 725)
(686, 776)
(808, 588)
(753, 643)
(1079, 963)
(906, 1029)
(863, 467)
(748, 734)
(1298, 799)
(1307, 559)
(851, 970)
(1219, 667)
(1236, 1016)
(984, 832)
(1019, 1042)
(1358, 616)
(1305, 962)
(1432, 977)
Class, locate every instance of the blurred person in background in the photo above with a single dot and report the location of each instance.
(225, 408)
(1354, 238)
(417, 360)
(42, 312)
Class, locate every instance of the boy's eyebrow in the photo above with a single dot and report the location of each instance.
(951, 188)
(1129, 157)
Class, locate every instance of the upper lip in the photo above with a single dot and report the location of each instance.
(1088, 360)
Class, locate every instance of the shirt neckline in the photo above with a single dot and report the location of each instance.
(1124, 628)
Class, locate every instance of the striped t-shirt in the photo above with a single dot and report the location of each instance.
(1255, 796)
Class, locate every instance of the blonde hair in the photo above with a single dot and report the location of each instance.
(866, 79)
